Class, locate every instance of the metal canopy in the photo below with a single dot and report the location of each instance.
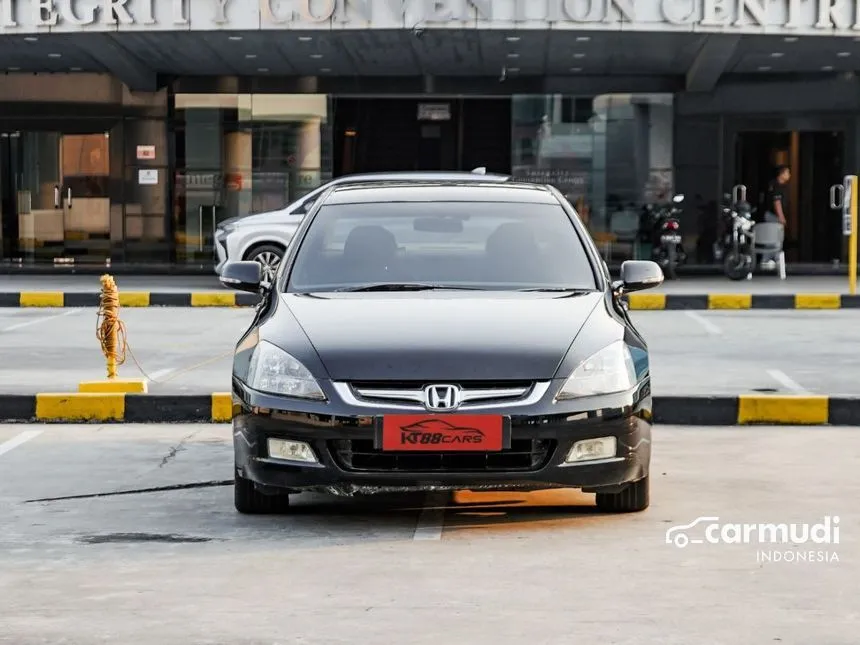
(136, 57)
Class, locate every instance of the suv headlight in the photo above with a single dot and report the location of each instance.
(274, 371)
(608, 371)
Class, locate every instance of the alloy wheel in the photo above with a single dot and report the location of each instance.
(269, 261)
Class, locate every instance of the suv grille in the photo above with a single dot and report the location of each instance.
(524, 455)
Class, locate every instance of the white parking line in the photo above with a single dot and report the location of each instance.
(17, 440)
(432, 517)
(159, 374)
(709, 327)
(36, 321)
(787, 381)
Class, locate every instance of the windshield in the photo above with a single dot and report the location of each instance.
(408, 245)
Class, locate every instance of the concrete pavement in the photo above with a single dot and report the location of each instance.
(179, 565)
(189, 351)
(90, 283)
(760, 284)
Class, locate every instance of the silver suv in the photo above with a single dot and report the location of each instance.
(263, 237)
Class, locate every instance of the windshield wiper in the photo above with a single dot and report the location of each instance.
(570, 290)
(406, 286)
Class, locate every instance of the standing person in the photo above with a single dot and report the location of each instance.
(774, 207)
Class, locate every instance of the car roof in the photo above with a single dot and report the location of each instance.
(408, 175)
(430, 191)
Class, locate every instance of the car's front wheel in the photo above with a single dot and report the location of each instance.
(250, 501)
(269, 257)
(634, 498)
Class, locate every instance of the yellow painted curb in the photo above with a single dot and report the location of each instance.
(222, 407)
(134, 298)
(80, 407)
(647, 300)
(729, 300)
(213, 299)
(42, 299)
(787, 410)
(119, 385)
(817, 301)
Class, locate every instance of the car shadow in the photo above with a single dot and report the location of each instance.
(460, 511)
(536, 509)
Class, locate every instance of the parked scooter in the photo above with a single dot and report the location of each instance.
(664, 227)
(735, 247)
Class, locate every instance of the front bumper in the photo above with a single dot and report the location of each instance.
(221, 253)
(349, 462)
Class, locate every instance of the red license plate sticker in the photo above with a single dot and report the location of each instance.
(443, 432)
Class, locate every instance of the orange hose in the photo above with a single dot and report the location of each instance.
(110, 330)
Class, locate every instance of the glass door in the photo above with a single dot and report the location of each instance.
(55, 190)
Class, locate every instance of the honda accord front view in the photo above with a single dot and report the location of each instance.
(441, 336)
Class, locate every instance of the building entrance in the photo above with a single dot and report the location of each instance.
(813, 233)
(55, 201)
(409, 134)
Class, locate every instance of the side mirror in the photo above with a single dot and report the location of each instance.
(678, 199)
(242, 276)
(637, 275)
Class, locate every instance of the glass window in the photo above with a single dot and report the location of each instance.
(240, 154)
(608, 154)
(462, 244)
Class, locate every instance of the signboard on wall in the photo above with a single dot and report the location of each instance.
(434, 112)
(825, 17)
(145, 152)
(147, 177)
(568, 181)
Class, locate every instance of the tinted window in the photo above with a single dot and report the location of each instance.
(487, 245)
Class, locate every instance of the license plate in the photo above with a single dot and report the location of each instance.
(443, 432)
(670, 239)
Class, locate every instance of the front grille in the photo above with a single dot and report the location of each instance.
(524, 455)
(412, 392)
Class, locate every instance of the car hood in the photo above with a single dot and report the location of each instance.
(260, 219)
(438, 335)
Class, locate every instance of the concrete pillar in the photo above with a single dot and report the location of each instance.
(238, 170)
(308, 156)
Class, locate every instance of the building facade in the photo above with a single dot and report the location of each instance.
(130, 128)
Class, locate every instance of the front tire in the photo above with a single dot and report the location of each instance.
(633, 499)
(737, 266)
(249, 501)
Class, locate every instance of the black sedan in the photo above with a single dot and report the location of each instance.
(441, 336)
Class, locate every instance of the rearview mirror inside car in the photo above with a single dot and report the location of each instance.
(242, 276)
(637, 275)
(438, 225)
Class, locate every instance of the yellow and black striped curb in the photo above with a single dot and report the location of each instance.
(636, 301)
(76, 407)
(130, 299)
(735, 301)
(218, 408)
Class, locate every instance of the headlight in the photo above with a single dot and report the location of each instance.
(274, 371)
(608, 371)
(225, 229)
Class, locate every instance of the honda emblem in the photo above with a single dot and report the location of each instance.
(442, 398)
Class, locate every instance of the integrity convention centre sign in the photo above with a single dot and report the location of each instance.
(834, 17)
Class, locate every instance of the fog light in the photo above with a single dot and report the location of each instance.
(592, 449)
(292, 450)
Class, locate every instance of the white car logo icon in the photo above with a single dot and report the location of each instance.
(680, 539)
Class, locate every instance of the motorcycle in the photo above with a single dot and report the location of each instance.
(665, 235)
(736, 245)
